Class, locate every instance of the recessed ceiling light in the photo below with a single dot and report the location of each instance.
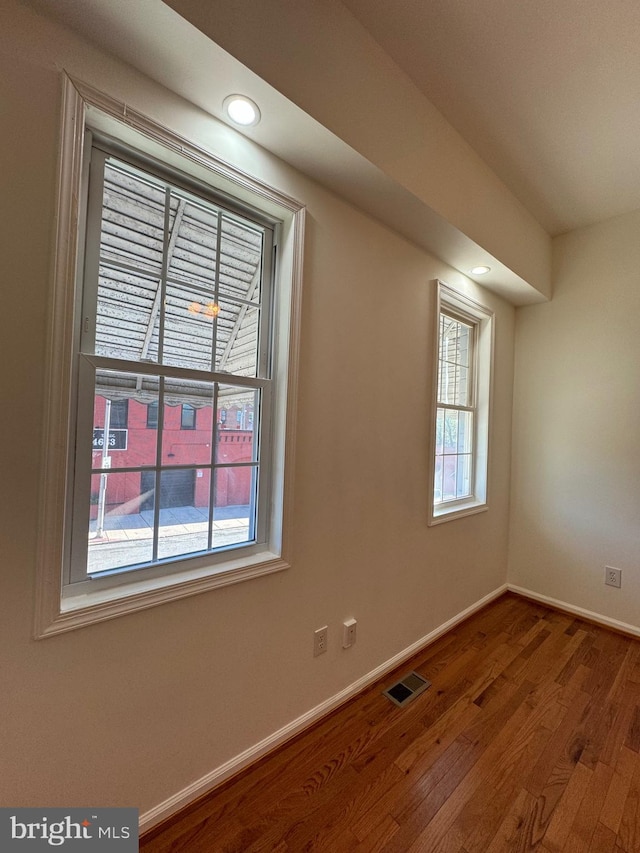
(480, 270)
(242, 110)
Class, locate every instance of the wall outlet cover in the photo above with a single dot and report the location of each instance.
(613, 577)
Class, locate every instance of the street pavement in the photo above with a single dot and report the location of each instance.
(128, 539)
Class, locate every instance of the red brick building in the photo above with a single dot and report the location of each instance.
(187, 439)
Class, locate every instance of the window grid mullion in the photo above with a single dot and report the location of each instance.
(451, 407)
(163, 275)
(221, 465)
(473, 358)
(161, 328)
(173, 372)
(216, 295)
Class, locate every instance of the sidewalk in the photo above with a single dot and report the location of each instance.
(127, 539)
(173, 522)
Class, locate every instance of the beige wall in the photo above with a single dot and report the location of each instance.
(131, 711)
(576, 451)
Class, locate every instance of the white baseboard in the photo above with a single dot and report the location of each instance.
(598, 618)
(211, 780)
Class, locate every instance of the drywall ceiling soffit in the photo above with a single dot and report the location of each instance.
(181, 58)
(321, 58)
(547, 91)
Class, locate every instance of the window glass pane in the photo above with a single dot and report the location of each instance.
(463, 344)
(123, 400)
(240, 260)
(440, 432)
(463, 476)
(127, 319)
(462, 386)
(182, 446)
(437, 484)
(121, 521)
(133, 205)
(465, 432)
(447, 358)
(449, 469)
(190, 319)
(236, 433)
(237, 344)
(187, 417)
(454, 362)
(235, 506)
(453, 463)
(450, 431)
(192, 256)
(135, 246)
(184, 512)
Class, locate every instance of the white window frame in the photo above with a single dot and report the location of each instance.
(60, 606)
(468, 310)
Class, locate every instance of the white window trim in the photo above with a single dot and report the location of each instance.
(483, 319)
(85, 107)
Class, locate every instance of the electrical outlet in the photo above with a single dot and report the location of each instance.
(613, 577)
(348, 633)
(320, 640)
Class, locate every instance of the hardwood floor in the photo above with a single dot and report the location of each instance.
(528, 739)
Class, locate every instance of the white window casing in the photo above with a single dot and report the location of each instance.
(98, 130)
(462, 392)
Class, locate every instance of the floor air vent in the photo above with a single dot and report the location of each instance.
(403, 691)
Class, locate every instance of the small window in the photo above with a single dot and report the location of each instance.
(462, 402)
(187, 417)
(152, 415)
(119, 414)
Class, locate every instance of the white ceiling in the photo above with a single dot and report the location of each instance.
(546, 91)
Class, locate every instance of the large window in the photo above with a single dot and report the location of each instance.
(463, 381)
(172, 383)
(176, 297)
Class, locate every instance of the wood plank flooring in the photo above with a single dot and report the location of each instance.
(528, 739)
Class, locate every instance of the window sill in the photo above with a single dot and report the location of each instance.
(443, 513)
(86, 608)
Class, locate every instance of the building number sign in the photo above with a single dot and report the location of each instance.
(117, 439)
